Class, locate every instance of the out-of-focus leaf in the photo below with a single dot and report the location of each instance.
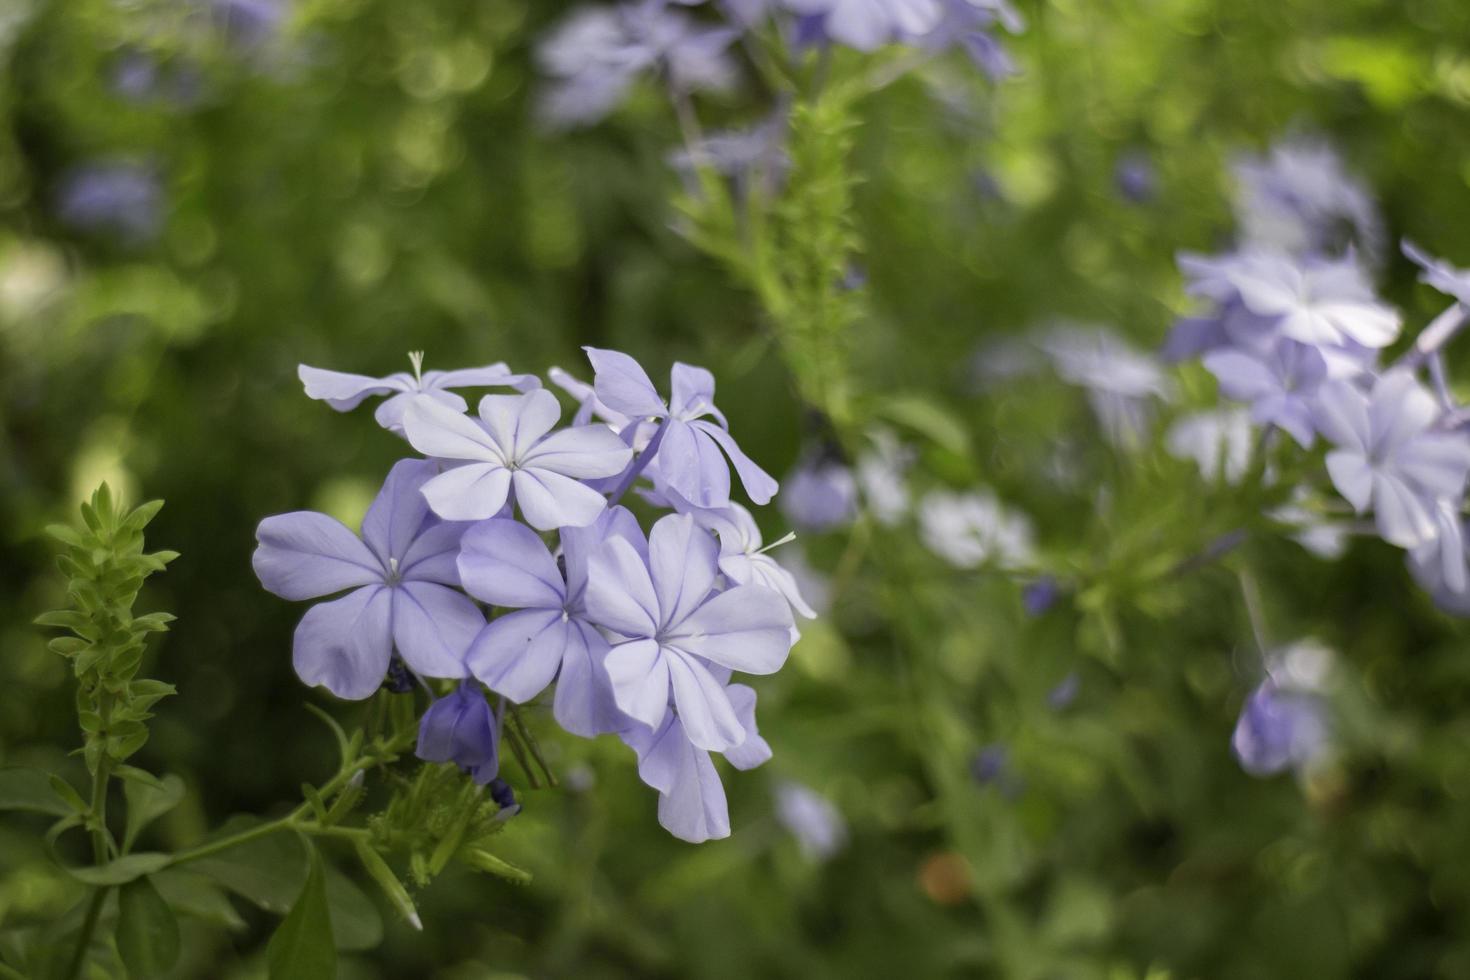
(147, 803)
(302, 948)
(147, 932)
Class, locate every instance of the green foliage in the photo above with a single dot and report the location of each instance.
(147, 932)
(302, 948)
(105, 568)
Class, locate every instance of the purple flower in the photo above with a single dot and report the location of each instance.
(1218, 441)
(460, 728)
(1278, 384)
(691, 800)
(690, 458)
(1439, 273)
(1302, 200)
(811, 818)
(548, 636)
(507, 454)
(1389, 455)
(1279, 729)
(869, 24)
(744, 561)
(970, 529)
(968, 25)
(118, 196)
(991, 763)
(1040, 595)
(596, 54)
(249, 24)
(819, 494)
(757, 153)
(1120, 381)
(403, 580)
(881, 478)
(1135, 177)
(345, 392)
(1060, 698)
(1315, 301)
(674, 633)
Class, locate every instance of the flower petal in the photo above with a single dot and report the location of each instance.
(747, 628)
(691, 804)
(759, 485)
(397, 513)
(303, 555)
(344, 645)
(439, 431)
(505, 563)
(620, 592)
(1342, 416)
(517, 422)
(433, 554)
(345, 392)
(1352, 476)
(682, 560)
(708, 717)
(549, 500)
(692, 392)
(585, 452)
(584, 702)
(473, 492)
(433, 627)
(622, 385)
(1404, 518)
(639, 674)
(518, 654)
(753, 750)
(692, 466)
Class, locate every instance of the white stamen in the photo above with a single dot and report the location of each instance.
(416, 358)
(393, 566)
(786, 539)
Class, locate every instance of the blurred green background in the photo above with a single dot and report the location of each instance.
(336, 182)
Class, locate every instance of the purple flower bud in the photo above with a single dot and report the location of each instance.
(990, 763)
(1060, 698)
(460, 728)
(1136, 179)
(117, 196)
(1278, 730)
(399, 680)
(1040, 595)
(502, 794)
(811, 818)
(819, 494)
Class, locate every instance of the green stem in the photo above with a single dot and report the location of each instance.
(84, 938)
(101, 845)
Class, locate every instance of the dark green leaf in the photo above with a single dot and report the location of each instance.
(147, 932)
(30, 790)
(195, 895)
(356, 922)
(125, 869)
(302, 948)
(147, 803)
(267, 871)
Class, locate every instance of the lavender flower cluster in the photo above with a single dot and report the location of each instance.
(594, 57)
(504, 558)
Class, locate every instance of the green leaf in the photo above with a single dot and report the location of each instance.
(141, 515)
(483, 860)
(125, 869)
(928, 419)
(356, 922)
(302, 948)
(374, 864)
(192, 894)
(68, 793)
(267, 871)
(147, 932)
(30, 790)
(146, 803)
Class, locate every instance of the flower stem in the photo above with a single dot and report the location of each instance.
(101, 846)
(640, 464)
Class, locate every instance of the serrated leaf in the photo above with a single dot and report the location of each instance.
(147, 932)
(31, 791)
(146, 803)
(302, 948)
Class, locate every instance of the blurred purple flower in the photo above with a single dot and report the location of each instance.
(1219, 442)
(881, 475)
(1301, 199)
(811, 818)
(461, 729)
(1439, 273)
(1314, 301)
(345, 392)
(1040, 595)
(1136, 177)
(1120, 381)
(869, 24)
(597, 53)
(122, 197)
(1278, 384)
(510, 453)
(743, 155)
(249, 24)
(1389, 455)
(1060, 698)
(403, 580)
(969, 25)
(1279, 729)
(677, 635)
(819, 494)
(970, 529)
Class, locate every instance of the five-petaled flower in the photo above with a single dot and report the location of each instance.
(404, 588)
